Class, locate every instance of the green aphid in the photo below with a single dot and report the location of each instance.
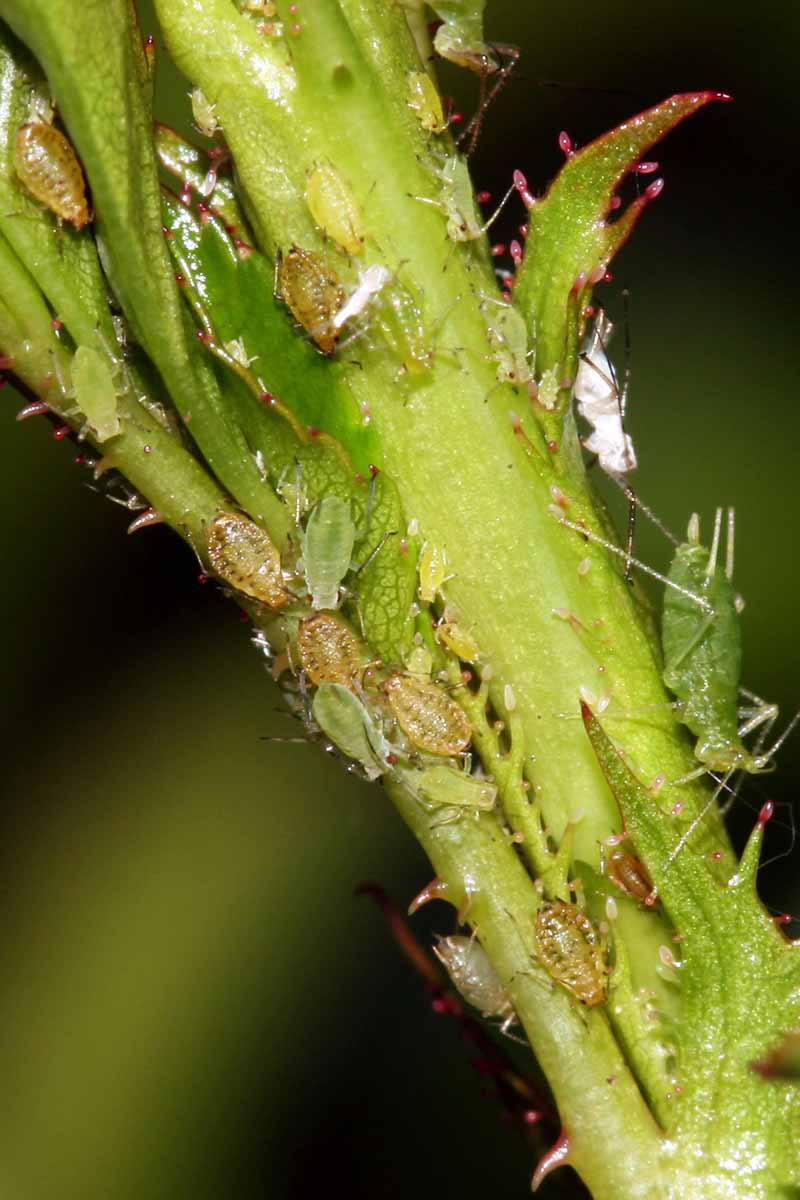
(95, 393)
(702, 642)
(344, 719)
(328, 542)
(459, 38)
(450, 788)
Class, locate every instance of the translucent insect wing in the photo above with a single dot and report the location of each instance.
(703, 651)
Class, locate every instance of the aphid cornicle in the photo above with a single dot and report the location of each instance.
(570, 950)
(47, 165)
(429, 718)
(329, 650)
(312, 293)
(243, 555)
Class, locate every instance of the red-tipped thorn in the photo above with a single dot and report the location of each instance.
(515, 250)
(654, 189)
(646, 168)
(565, 144)
(521, 184)
(765, 815)
(556, 1156)
(437, 889)
(145, 519)
(34, 409)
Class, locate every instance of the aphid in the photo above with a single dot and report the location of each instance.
(425, 102)
(370, 283)
(570, 949)
(400, 323)
(312, 293)
(629, 875)
(48, 166)
(458, 202)
(474, 977)
(95, 393)
(508, 337)
(205, 117)
(703, 655)
(329, 650)
(447, 787)
(334, 208)
(243, 555)
(432, 572)
(328, 540)
(458, 640)
(429, 718)
(345, 720)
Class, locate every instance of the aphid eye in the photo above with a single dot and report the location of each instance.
(243, 556)
(570, 950)
(47, 165)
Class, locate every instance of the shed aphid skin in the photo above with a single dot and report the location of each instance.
(475, 979)
(328, 541)
(425, 102)
(243, 556)
(95, 393)
(601, 403)
(48, 167)
(334, 208)
(571, 950)
(431, 720)
(205, 117)
(312, 293)
(371, 281)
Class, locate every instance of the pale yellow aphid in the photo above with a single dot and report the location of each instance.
(430, 719)
(334, 208)
(329, 650)
(243, 555)
(458, 640)
(205, 117)
(310, 290)
(571, 951)
(424, 100)
(432, 572)
(46, 163)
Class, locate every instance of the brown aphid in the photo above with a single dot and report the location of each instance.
(429, 718)
(570, 950)
(243, 555)
(329, 650)
(312, 293)
(46, 163)
(630, 875)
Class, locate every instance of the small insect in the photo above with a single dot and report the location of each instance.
(508, 337)
(47, 165)
(429, 718)
(432, 572)
(334, 208)
(462, 644)
(370, 283)
(629, 875)
(329, 650)
(328, 541)
(446, 787)
(425, 102)
(570, 949)
(400, 323)
(458, 202)
(344, 719)
(474, 977)
(205, 117)
(95, 393)
(243, 555)
(312, 293)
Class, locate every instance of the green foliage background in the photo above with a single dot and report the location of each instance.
(191, 1001)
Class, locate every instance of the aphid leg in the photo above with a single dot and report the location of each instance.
(701, 816)
(597, 540)
(472, 132)
(622, 483)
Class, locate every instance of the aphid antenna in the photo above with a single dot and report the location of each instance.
(701, 816)
(373, 554)
(597, 540)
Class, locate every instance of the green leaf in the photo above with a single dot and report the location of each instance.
(571, 239)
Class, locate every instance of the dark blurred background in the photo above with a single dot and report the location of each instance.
(192, 1002)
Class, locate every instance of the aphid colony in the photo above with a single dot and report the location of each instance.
(384, 717)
